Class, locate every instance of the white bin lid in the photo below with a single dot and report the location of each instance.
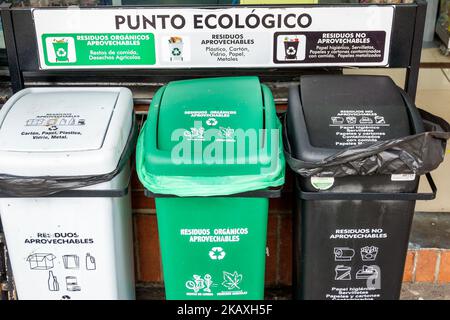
(64, 131)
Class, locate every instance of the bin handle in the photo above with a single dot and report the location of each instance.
(263, 193)
(405, 196)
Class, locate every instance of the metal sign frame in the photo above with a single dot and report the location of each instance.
(7, 288)
(22, 52)
(22, 57)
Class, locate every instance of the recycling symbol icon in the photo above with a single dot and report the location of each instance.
(211, 121)
(291, 51)
(61, 52)
(217, 253)
(176, 52)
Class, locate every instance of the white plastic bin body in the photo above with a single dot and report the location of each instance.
(95, 232)
(69, 247)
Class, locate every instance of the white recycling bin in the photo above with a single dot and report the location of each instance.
(64, 201)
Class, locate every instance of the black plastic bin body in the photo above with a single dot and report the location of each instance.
(324, 228)
(351, 237)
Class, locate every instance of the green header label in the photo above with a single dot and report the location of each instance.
(87, 49)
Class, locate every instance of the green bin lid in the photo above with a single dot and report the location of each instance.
(206, 136)
(194, 106)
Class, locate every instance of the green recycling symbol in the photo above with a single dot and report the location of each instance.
(61, 52)
(176, 52)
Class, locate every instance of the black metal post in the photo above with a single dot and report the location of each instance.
(3, 277)
(15, 73)
(412, 72)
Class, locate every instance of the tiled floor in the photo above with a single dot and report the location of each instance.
(410, 291)
(433, 95)
(446, 72)
(425, 291)
(433, 55)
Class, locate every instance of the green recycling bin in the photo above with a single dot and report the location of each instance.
(210, 153)
(61, 48)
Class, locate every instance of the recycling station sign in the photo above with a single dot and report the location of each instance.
(244, 37)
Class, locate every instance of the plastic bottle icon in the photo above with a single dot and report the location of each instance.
(53, 284)
(90, 262)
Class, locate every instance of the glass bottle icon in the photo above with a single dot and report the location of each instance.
(53, 284)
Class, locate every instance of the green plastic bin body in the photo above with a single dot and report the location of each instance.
(212, 237)
(61, 51)
(192, 251)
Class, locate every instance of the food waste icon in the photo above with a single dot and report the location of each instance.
(200, 283)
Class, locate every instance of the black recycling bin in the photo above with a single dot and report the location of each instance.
(290, 49)
(358, 146)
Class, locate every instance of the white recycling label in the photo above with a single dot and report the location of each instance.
(48, 122)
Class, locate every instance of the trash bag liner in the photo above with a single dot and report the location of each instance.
(191, 186)
(415, 154)
(41, 186)
(249, 105)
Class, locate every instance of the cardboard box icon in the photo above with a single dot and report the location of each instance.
(41, 261)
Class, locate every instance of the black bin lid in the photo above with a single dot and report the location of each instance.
(331, 112)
